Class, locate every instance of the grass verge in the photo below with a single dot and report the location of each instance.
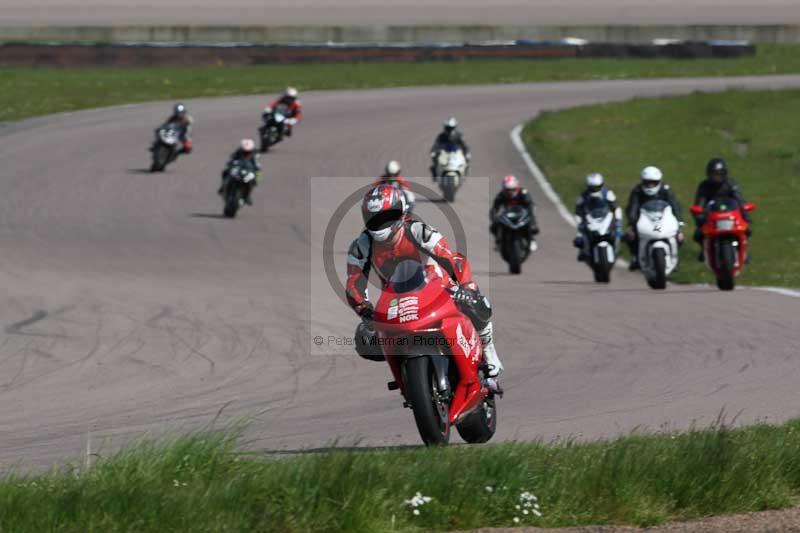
(200, 483)
(27, 92)
(755, 131)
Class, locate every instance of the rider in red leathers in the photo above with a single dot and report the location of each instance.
(294, 109)
(391, 237)
(391, 176)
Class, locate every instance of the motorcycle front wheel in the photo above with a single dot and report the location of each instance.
(431, 411)
(160, 158)
(602, 268)
(232, 204)
(514, 255)
(726, 280)
(659, 280)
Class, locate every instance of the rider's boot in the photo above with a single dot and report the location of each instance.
(490, 353)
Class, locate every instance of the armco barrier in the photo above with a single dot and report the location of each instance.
(394, 34)
(149, 54)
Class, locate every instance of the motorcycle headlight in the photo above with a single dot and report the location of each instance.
(725, 225)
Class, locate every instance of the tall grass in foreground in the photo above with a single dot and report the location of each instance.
(200, 482)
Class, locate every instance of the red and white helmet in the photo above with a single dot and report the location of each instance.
(511, 184)
(383, 209)
(247, 145)
(291, 93)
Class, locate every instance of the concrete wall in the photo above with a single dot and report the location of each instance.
(394, 34)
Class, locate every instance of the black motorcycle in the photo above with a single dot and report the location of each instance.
(272, 130)
(600, 241)
(514, 236)
(239, 183)
(166, 147)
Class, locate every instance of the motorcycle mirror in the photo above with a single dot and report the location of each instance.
(749, 206)
(697, 210)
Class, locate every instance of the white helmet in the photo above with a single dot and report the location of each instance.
(291, 92)
(594, 182)
(651, 180)
(247, 145)
(450, 124)
(393, 168)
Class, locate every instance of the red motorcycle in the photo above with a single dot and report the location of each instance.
(724, 238)
(436, 357)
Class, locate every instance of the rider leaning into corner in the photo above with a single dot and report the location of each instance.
(716, 185)
(391, 237)
(246, 155)
(651, 187)
(450, 135)
(294, 108)
(595, 191)
(185, 121)
(511, 195)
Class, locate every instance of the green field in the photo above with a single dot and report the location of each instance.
(757, 132)
(201, 483)
(26, 92)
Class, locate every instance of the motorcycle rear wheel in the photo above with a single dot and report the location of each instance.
(431, 412)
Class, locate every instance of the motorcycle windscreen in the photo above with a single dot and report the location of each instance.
(597, 208)
(408, 276)
(654, 209)
(515, 216)
(723, 205)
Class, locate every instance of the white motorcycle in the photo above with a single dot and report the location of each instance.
(600, 241)
(451, 167)
(658, 230)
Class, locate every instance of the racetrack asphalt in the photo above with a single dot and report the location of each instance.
(128, 306)
(396, 13)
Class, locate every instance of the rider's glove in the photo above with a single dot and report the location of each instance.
(462, 296)
(367, 314)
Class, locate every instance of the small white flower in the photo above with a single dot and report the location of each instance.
(416, 512)
(525, 511)
(489, 489)
(537, 513)
(418, 500)
(516, 520)
(518, 507)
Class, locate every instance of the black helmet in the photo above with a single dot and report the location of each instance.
(717, 165)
